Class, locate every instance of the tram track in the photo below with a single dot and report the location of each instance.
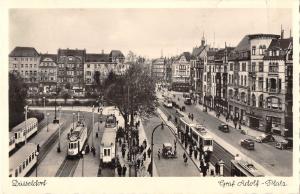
(68, 166)
(218, 153)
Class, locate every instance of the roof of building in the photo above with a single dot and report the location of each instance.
(109, 137)
(116, 53)
(51, 56)
(278, 44)
(71, 52)
(93, 57)
(20, 156)
(253, 36)
(187, 56)
(197, 50)
(24, 52)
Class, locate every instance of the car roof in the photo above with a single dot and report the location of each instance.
(167, 144)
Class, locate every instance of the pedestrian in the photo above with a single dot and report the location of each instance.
(138, 162)
(204, 171)
(185, 160)
(158, 154)
(142, 162)
(184, 155)
(119, 169)
(240, 127)
(94, 151)
(120, 142)
(124, 170)
(235, 124)
(123, 152)
(149, 152)
(195, 154)
(100, 170)
(217, 167)
(144, 156)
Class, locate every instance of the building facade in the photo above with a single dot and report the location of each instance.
(181, 73)
(257, 74)
(71, 68)
(48, 73)
(158, 69)
(25, 61)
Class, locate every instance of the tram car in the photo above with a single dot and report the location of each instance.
(12, 142)
(23, 160)
(108, 142)
(243, 168)
(196, 133)
(77, 139)
(25, 130)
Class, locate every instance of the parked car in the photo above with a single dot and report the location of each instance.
(168, 103)
(167, 151)
(265, 138)
(188, 101)
(284, 144)
(224, 128)
(247, 143)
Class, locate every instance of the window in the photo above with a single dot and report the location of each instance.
(273, 103)
(88, 65)
(231, 67)
(242, 80)
(243, 66)
(273, 67)
(30, 65)
(253, 66)
(243, 97)
(253, 100)
(260, 83)
(261, 67)
(245, 80)
(253, 50)
(22, 65)
(26, 65)
(261, 100)
(24, 165)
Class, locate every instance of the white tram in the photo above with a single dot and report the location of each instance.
(77, 139)
(25, 130)
(195, 133)
(108, 143)
(23, 160)
(243, 168)
(12, 143)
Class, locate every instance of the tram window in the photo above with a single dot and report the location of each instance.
(108, 152)
(16, 135)
(29, 158)
(27, 162)
(24, 165)
(207, 142)
(75, 145)
(16, 173)
(105, 152)
(32, 156)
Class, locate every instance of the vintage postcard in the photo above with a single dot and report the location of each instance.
(160, 97)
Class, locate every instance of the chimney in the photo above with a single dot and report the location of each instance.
(282, 32)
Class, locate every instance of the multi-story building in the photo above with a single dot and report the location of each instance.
(208, 78)
(168, 76)
(276, 100)
(256, 81)
(158, 69)
(181, 72)
(48, 73)
(197, 65)
(221, 79)
(25, 61)
(71, 68)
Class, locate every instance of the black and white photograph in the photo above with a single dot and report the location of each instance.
(149, 93)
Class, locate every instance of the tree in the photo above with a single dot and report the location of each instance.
(132, 93)
(17, 99)
(111, 78)
(97, 79)
(68, 86)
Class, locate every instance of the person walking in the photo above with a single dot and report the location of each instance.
(185, 161)
(149, 152)
(195, 154)
(119, 169)
(184, 155)
(123, 152)
(124, 170)
(217, 167)
(158, 154)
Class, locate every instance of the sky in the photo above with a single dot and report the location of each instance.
(146, 32)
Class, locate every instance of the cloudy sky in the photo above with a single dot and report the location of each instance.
(146, 32)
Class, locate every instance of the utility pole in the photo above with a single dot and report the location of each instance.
(26, 109)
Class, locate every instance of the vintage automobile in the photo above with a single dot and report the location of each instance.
(167, 151)
(188, 101)
(224, 128)
(265, 138)
(284, 144)
(247, 143)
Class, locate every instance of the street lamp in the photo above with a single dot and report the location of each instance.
(73, 120)
(58, 147)
(37, 162)
(82, 172)
(47, 122)
(93, 126)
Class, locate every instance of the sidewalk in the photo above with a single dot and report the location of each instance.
(142, 172)
(195, 160)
